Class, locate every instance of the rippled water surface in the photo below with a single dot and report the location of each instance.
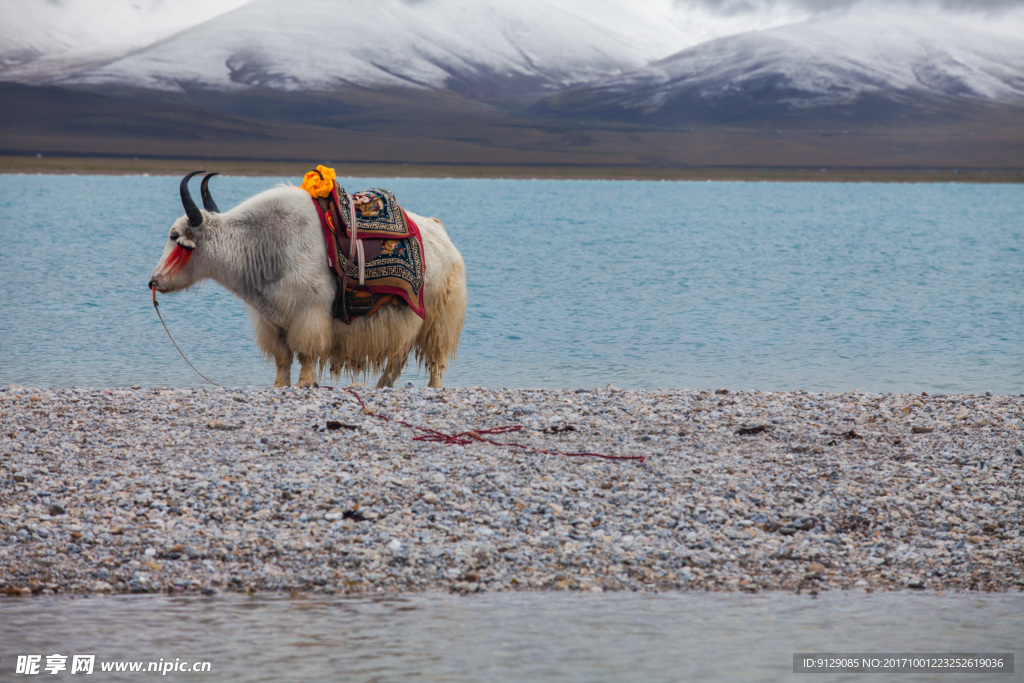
(819, 286)
(509, 637)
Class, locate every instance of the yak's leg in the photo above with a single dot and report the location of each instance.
(392, 371)
(271, 340)
(446, 310)
(307, 371)
(310, 336)
(283, 360)
(436, 371)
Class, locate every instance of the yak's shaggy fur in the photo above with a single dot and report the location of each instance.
(269, 251)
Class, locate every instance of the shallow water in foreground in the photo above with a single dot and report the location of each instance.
(642, 284)
(511, 636)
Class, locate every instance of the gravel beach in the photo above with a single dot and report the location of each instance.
(239, 490)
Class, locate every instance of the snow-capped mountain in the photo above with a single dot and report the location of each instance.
(478, 46)
(42, 38)
(831, 62)
(652, 61)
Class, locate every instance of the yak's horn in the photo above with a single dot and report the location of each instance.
(195, 217)
(208, 202)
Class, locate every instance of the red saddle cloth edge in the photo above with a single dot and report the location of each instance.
(331, 236)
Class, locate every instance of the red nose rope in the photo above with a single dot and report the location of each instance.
(156, 307)
(460, 439)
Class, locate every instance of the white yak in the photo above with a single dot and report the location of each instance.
(270, 252)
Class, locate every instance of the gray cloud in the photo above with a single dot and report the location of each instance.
(734, 7)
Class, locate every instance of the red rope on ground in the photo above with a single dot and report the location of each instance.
(463, 438)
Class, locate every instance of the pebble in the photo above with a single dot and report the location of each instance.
(238, 490)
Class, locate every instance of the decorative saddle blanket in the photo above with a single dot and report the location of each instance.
(384, 263)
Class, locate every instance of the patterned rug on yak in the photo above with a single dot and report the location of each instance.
(385, 261)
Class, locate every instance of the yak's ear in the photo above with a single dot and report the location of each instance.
(204, 190)
(195, 216)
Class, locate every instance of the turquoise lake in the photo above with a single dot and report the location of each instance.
(769, 286)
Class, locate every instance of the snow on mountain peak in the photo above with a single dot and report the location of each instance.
(317, 44)
(51, 36)
(638, 51)
(320, 44)
(833, 60)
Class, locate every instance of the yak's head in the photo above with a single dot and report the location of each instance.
(177, 268)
